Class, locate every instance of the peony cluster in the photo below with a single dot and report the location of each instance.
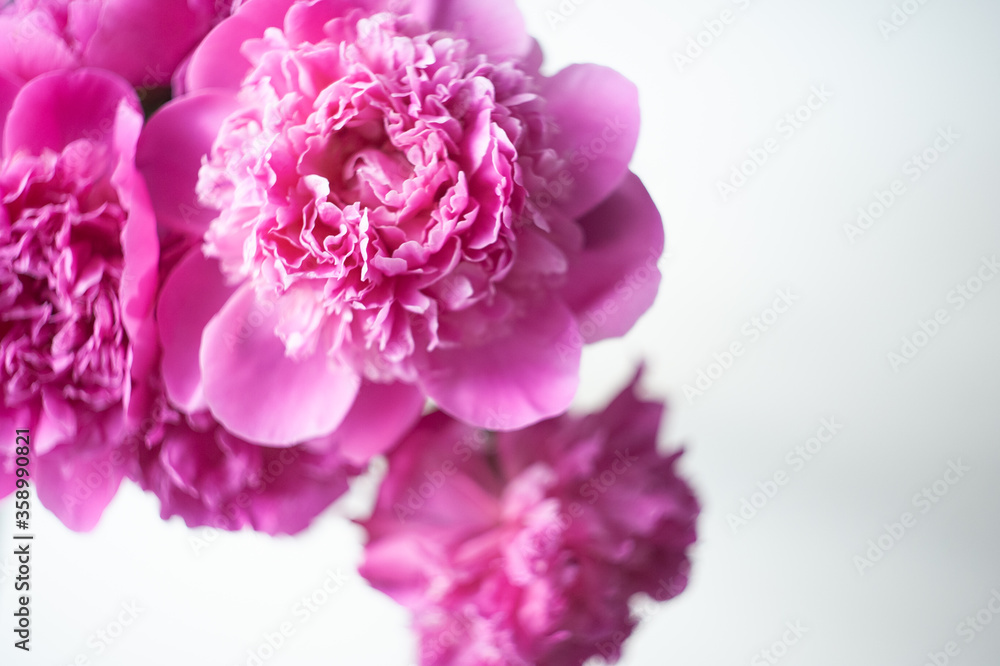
(248, 246)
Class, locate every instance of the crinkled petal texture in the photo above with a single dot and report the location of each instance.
(525, 547)
(143, 41)
(409, 200)
(78, 262)
(210, 477)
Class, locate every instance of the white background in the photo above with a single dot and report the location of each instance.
(208, 603)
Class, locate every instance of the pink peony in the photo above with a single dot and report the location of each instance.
(525, 547)
(209, 476)
(393, 192)
(78, 255)
(141, 40)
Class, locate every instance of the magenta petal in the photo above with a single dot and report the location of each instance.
(615, 279)
(381, 414)
(527, 374)
(141, 249)
(144, 41)
(191, 295)
(31, 47)
(495, 27)
(256, 391)
(56, 109)
(169, 156)
(217, 62)
(8, 91)
(597, 112)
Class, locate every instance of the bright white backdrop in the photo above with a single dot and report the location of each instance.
(207, 602)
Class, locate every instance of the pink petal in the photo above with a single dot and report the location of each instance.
(169, 156)
(615, 279)
(77, 480)
(191, 295)
(495, 27)
(8, 91)
(31, 48)
(256, 391)
(380, 415)
(218, 62)
(140, 247)
(527, 374)
(597, 112)
(56, 109)
(144, 41)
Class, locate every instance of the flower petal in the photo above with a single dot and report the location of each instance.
(218, 62)
(598, 130)
(55, 109)
(615, 279)
(169, 156)
(380, 415)
(494, 27)
(527, 374)
(77, 480)
(256, 391)
(144, 41)
(191, 295)
(8, 91)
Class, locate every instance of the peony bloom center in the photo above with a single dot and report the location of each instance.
(371, 185)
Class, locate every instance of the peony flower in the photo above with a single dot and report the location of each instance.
(524, 547)
(209, 476)
(395, 193)
(142, 40)
(78, 255)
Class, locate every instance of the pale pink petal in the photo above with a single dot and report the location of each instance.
(256, 391)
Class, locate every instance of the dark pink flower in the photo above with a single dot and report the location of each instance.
(208, 476)
(143, 41)
(395, 193)
(524, 547)
(78, 256)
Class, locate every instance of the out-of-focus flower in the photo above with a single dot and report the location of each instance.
(393, 192)
(78, 257)
(525, 547)
(142, 40)
(209, 476)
